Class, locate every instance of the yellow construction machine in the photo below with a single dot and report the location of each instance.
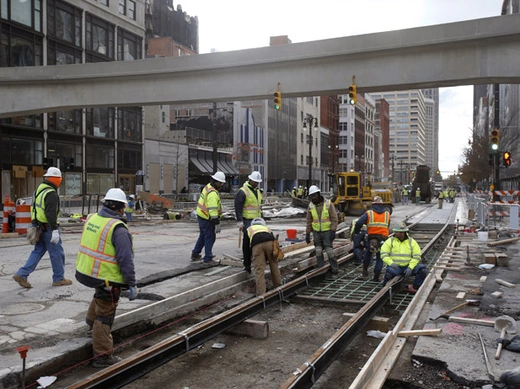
(352, 193)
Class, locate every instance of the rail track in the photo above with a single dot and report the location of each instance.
(365, 296)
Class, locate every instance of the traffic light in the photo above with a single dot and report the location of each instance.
(507, 158)
(278, 100)
(495, 139)
(352, 95)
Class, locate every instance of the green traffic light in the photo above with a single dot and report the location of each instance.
(494, 146)
(277, 107)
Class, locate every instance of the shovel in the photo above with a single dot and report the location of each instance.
(504, 324)
(445, 315)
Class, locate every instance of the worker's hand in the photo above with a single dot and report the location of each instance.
(394, 266)
(133, 293)
(240, 225)
(407, 272)
(55, 236)
(332, 235)
(308, 238)
(218, 228)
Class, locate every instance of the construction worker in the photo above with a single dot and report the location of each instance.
(293, 193)
(359, 242)
(417, 196)
(248, 205)
(377, 220)
(209, 212)
(45, 209)
(129, 209)
(322, 221)
(440, 198)
(106, 263)
(453, 193)
(402, 256)
(260, 247)
(299, 193)
(405, 195)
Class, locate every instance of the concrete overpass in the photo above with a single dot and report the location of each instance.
(481, 51)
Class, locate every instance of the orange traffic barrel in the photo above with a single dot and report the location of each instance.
(8, 210)
(23, 218)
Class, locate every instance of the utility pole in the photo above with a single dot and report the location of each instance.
(496, 156)
(215, 138)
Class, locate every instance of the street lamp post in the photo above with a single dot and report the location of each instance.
(309, 119)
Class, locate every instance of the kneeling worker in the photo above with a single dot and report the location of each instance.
(402, 256)
(261, 247)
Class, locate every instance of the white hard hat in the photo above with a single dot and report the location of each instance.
(132, 196)
(115, 194)
(378, 199)
(219, 176)
(255, 176)
(400, 227)
(258, 221)
(53, 172)
(313, 189)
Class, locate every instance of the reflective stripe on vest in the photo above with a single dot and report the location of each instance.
(320, 223)
(97, 254)
(251, 231)
(203, 210)
(402, 259)
(252, 205)
(39, 203)
(377, 223)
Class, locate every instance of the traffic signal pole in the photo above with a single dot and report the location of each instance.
(497, 126)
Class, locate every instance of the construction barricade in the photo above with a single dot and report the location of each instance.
(23, 218)
(9, 209)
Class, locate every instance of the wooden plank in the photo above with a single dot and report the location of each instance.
(460, 295)
(499, 242)
(447, 268)
(295, 246)
(467, 320)
(428, 332)
(505, 283)
(447, 264)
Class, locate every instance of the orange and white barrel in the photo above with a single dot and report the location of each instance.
(23, 218)
(5, 222)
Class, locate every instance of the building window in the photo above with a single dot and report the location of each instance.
(64, 152)
(163, 114)
(131, 9)
(104, 2)
(21, 151)
(122, 7)
(60, 54)
(99, 40)
(100, 122)
(65, 121)
(64, 22)
(129, 124)
(19, 48)
(100, 155)
(129, 157)
(129, 46)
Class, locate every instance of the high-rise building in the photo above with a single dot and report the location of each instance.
(432, 128)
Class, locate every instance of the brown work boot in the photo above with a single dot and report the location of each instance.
(106, 360)
(22, 282)
(63, 282)
(411, 289)
(376, 277)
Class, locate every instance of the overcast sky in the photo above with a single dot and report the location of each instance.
(242, 24)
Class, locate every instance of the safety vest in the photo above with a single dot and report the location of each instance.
(251, 231)
(209, 206)
(320, 223)
(418, 193)
(97, 254)
(441, 195)
(405, 192)
(406, 253)
(453, 193)
(39, 202)
(253, 204)
(129, 208)
(300, 191)
(377, 223)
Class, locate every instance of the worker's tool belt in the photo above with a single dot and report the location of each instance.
(376, 241)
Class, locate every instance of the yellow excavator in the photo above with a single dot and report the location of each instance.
(352, 193)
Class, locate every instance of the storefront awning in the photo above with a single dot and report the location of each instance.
(203, 168)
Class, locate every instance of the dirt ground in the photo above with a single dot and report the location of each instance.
(296, 331)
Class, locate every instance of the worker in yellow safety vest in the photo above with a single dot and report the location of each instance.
(209, 212)
(105, 262)
(248, 206)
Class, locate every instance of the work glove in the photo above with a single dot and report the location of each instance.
(55, 236)
(307, 238)
(218, 228)
(394, 266)
(133, 293)
(407, 272)
(332, 235)
(240, 225)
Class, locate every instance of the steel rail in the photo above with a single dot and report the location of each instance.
(142, 363)
(309, 372)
